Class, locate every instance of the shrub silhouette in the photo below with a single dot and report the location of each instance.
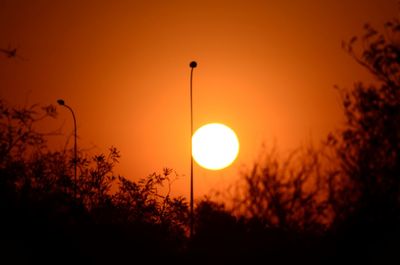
(287, 195)
(40, 208)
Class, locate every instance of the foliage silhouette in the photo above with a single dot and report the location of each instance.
(367, 203)
(288, 195)
(36, 194)
(368, 148)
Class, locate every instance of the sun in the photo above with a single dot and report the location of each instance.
(215, 146)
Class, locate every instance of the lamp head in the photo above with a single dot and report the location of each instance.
(61, 102)
(193, 64)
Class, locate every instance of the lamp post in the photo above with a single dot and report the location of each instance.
(61, 102)
(192, 65)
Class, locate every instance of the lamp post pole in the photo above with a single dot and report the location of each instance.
(192, 65)
(61, 102)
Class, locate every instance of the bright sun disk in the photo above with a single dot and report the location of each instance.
(215, 146)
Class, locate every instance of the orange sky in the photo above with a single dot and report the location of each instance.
(266, 69)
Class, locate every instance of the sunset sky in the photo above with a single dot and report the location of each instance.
(265, 68)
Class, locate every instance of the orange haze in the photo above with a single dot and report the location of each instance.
(266, 69)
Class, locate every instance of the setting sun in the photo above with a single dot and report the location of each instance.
(215, 146)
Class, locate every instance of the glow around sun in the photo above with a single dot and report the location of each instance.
(214, 146)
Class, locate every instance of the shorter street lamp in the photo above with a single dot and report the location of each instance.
(61, 102)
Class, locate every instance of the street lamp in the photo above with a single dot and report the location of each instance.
(61, 102)
(192, 65)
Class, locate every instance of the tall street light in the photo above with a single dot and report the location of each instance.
(61, 102)
(192, 65)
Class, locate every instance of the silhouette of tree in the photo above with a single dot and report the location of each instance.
(366, 203)
(289, 194)
(369, 146)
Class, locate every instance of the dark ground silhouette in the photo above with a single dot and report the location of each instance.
(329, 205)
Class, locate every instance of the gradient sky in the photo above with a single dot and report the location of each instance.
(265, 68)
